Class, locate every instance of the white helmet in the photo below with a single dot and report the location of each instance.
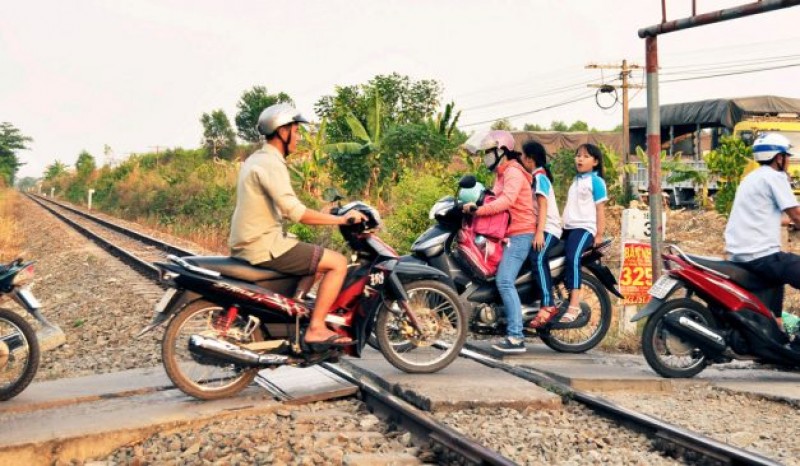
(768, 145)
(275, 116)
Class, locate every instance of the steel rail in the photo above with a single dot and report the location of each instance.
(646, 424)
(149, 240)
(141, 266)
(420, 423)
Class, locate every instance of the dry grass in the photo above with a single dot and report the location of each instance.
(10, 233)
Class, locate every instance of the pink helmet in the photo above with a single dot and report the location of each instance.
(495, 139)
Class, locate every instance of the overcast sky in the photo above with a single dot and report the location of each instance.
(137, 74)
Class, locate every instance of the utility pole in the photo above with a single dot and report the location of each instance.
(625, 73)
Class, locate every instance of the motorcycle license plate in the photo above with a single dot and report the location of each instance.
(662, 287)
(162, 304)
(27, 297)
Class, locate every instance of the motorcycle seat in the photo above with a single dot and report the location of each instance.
(235, 268)
(738, 274)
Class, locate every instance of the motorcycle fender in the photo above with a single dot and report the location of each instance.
(409, 269)
(649, 309)
(167, 307)
(605, 276)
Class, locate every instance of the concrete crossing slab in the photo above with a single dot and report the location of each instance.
(463, 384)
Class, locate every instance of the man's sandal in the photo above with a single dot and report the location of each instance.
(573, 312)
(544, 316)
(332, 342)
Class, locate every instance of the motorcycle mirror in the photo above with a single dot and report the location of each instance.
(467, 181)
(331, 195)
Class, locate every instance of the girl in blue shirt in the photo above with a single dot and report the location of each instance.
(584, 220)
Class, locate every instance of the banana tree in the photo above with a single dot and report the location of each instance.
(310, 168)
(358, 162)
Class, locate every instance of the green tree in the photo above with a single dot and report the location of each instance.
(503, 124)
(11, 141)
(27, 183)
(403, 101)
(532, 127)
(250, 106)
(578, 126)
(727, 164)
(310, 166)
(85, 165)
(54, 170)
(218, 136)
(556, 125)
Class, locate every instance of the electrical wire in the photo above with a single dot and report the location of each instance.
(530, 112)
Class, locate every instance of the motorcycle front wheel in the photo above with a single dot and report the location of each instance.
(201, 376)
(667, 353)
(578, 340)
(443, 323)
(19, 354)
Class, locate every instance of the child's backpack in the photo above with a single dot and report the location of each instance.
(480, 254)
(492, 226)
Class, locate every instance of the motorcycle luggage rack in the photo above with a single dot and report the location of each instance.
(193, 268)
(685, 257)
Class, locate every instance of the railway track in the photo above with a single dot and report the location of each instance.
(673, 440)
(139, 250)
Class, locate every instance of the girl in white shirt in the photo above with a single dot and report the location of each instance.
(584, 220)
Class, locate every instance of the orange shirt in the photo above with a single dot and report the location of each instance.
(513, 190)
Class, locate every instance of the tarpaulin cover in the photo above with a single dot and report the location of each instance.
(553, 141)
(716, 112)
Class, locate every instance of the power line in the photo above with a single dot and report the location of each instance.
(547, 93)
(530, 112)
(733, 73)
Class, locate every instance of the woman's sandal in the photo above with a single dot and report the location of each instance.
(544, 316)
(573, 312)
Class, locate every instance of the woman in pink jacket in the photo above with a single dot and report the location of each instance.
(512, 187)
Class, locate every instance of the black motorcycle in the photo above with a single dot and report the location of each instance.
(437, 247)
(20, 347)
(230, 319)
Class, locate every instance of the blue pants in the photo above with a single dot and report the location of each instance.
(541, 268)
(576, 241)
(513, 257)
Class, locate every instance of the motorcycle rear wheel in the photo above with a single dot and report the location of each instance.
(19, 354)
(194, 375)
(582, 339)
(442, 317)
(661, 348)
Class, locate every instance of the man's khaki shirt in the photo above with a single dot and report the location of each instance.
(264, 196)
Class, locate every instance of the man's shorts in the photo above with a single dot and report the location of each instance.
(303, 259)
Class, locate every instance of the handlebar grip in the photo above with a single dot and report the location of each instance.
(351, 221)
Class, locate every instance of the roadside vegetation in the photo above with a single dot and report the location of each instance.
(10, 236)
(389, 142)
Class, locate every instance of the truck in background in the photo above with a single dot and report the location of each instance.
(787, 124)
(694, 128)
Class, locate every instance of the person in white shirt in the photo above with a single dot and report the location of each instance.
(584, 220)
(753, 232)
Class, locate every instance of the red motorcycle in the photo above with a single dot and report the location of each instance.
(707, 311)
(229, 319)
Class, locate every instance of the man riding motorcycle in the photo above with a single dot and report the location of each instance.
(264, 196)
(752, 235)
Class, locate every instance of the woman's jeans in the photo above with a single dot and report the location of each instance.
(541, 268)
(514, 255)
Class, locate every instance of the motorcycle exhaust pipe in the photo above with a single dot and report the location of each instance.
(228, 352)
(696, 333)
